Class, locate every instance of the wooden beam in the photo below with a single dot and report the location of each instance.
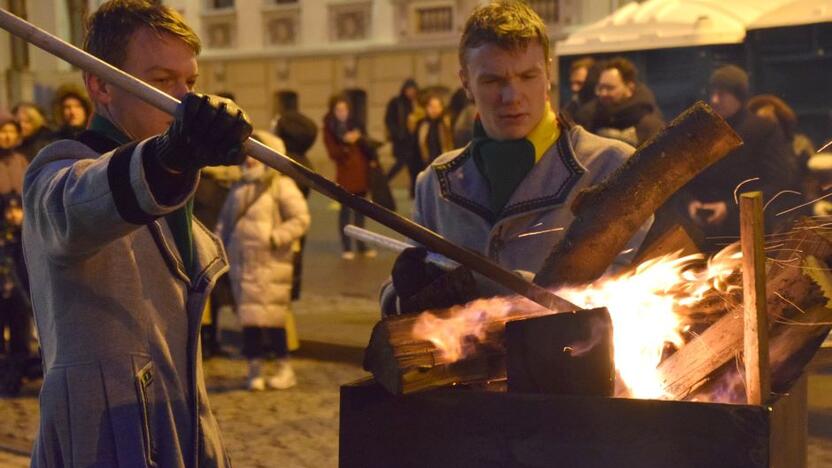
(607, 215)
(790, 289)
(755, 336)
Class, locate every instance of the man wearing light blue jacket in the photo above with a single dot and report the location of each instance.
(506, 194)
(120, 270)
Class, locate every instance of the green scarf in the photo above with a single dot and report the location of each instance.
(179, 221)
(504, 164)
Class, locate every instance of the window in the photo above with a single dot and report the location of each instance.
(349, 22)
(220, 4)
(434, 19)
(547, 9)
(281, 30)
(219, 35)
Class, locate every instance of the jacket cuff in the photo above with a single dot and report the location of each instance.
(132, 189)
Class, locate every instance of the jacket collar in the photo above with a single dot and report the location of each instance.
(209, 262)
(548, 184)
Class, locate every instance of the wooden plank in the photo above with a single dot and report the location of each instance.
(755, 336)
(790, 290)
(607, 215)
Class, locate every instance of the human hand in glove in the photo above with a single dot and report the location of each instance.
(207, 131)
(422, 285)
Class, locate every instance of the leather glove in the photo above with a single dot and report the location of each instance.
(421, 285)
(411, 273)
(208, 131)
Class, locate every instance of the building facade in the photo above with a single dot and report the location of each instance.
(276, 54)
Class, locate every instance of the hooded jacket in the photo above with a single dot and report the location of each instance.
(259, 245)
(396, 116)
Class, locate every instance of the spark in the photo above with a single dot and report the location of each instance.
(805, 204)
(534, 233)
(782, 192)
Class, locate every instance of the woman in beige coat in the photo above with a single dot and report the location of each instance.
(264, 215)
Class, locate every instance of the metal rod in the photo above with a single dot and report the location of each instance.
(284, 164)
(394, 245)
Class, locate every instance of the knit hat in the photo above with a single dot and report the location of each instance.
(731, 78)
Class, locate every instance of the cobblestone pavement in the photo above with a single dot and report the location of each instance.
(291, 428)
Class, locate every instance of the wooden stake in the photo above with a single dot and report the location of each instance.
(755, 337)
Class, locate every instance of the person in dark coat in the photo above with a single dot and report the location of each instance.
(298, 133)
(14, 309)
(36, 134)
(347, 147)
(72, 110)
(708, 200)
(396, 116)
(625, 109)
(433, 133)
(583, 77)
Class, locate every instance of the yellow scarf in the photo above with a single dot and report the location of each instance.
(545, 133)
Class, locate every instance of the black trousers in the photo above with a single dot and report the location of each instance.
(264, 342)
(14, 316)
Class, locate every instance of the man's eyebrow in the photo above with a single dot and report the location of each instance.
(159, 68)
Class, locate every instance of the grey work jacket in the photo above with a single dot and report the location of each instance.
(452, 199)
(117, 316)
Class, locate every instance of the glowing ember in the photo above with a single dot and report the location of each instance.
(644, 304)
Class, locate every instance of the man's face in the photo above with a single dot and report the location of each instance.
(161, 60)
(411, 92)
(509, 87)
(73, 112)
(9, 136)
(577, 79)
(612, 89)
(725, 103)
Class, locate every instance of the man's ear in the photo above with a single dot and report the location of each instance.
(631, 85)
(463, 78)
(98, 89)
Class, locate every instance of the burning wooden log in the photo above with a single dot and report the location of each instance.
(609, 214)
(403, 362)
(790, 291)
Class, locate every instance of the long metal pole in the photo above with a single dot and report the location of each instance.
(286, 165)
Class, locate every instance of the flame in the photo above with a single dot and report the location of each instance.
(646, 305)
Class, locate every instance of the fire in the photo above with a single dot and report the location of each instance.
(645, 305)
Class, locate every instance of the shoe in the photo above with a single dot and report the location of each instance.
(284, 378)
(348, 255)
(371, 253)
(257, 384)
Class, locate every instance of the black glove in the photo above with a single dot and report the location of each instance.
(208, 131)
(421, 285)
(411, 273)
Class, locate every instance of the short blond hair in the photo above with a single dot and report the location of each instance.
(109, 29)
(510, 24)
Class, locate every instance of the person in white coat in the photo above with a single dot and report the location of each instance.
(264, 215)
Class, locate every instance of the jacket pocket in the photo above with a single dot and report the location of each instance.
(144, 381)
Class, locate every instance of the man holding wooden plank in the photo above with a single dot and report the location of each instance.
(508, 193)
(120, 271)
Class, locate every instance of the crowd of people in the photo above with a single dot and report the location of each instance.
(122, 212)
(609, 99)
(266, 234)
